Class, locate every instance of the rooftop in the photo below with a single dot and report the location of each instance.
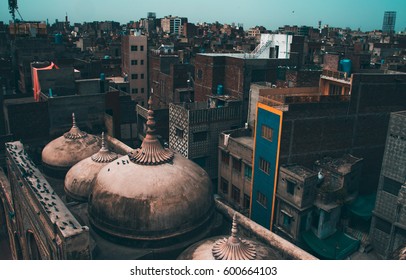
(299, 170)
(49, 202)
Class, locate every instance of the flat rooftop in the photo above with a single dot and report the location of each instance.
(300, 170)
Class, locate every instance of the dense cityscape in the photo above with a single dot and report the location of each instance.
(166, 139)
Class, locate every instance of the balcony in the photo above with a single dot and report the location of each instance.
(336, 76)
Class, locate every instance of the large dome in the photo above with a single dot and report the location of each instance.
(80, 178)
(65, 151)
(152, 196)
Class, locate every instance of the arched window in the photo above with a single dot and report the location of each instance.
(19, 251)
(32, 246)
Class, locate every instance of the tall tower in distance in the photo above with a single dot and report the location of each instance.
(389, 20)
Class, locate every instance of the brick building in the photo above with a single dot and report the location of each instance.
(168, 79)
(235, 73)
(319, 124)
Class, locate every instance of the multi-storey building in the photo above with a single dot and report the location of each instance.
(194, 129)
(235, 168)
(134, 66)
(389, 21)
(173, 25)
(388, 228)
(309, 205)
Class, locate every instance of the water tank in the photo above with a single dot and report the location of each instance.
(220, 89)
(345, 66)
(58, 39)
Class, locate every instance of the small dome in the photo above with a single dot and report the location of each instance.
(152, 195)
(399, 254)
(80, 178)
(229, 248)
(65, 151)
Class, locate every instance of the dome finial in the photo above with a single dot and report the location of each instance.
(103, 141)
(74, 132)
(73, 120)
(233, 248)
(151, 151)
(234, 229)
(104, 154)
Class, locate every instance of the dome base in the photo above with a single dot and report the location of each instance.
(156, 240)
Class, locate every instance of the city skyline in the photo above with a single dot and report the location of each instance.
(250, 14)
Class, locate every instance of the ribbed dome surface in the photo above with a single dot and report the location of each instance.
(229, 248)
(150, 202)
(80, 178)
(152, 194)
(67, 150)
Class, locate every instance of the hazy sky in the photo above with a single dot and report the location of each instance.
(365, 14)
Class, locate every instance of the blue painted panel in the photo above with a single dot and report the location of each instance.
(262, 182)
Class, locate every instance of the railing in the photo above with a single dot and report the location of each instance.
(260, 49)
(336, 74)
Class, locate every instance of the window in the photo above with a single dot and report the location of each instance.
(246, 201)
(179, 132)
(199, 73)
(142, 90)
(134, 62)
(236, 164)
(382, 225)
(286, 220)
(235, 194)
(266, 132)
(264, 165)
(335, 89)
(315, 219)
(142, 48)
(142, 76)
(224, 186)
(142, 62)
(200, 136)
(225, 157)
(290, 187)
(134, 90)
(248, 172)
(261, 199)
(134, 76)
(134, 48)
(391, 186)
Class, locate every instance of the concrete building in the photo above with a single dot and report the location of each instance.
(388, 228)
(134, 65)
(194, 129)
(389, 21)
(267, 141)
(173, 25)
(309, 205)
(235, 168)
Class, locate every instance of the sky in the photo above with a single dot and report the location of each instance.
(364, 14)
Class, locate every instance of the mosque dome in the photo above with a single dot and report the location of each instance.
(62, 153)
(229, 248)
(152, 196)
(80, 178)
